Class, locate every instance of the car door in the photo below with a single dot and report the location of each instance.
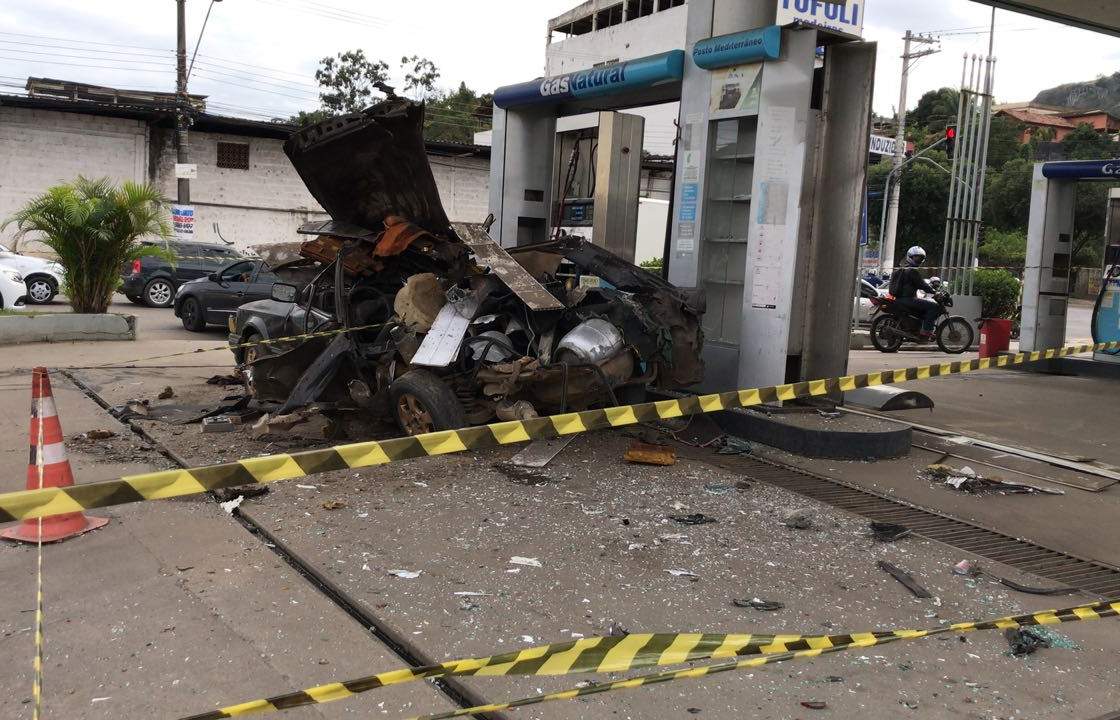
(260, 286)
(221, 298)
(190, 265)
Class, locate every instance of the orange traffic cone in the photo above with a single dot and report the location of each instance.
(49, 467)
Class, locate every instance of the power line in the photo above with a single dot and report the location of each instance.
(84, 65)
(322, 12)
(85, 42)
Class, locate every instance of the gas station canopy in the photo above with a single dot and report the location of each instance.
(1097, 15)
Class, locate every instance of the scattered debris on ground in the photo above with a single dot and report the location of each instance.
(647, 454)
(968, 480)
(248, 491)
(758, 604)
(814, 704)
(906, 579)
(731, 445)
(1025, 641)
(333, 505)
(800, 520)
(888, 532)
(96, 434)
(224, 380)
(693, 519)
(166, 394)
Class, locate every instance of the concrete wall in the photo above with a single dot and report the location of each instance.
(264, 204)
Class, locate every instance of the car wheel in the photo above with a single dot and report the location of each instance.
(192, 314)
(422, 403)
(159, 293)
(884, 335)
(40, 290)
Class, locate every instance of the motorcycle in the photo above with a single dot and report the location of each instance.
(892, 325)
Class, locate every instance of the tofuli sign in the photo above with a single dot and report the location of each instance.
(840, 17)
(597, 82)
(882, 145)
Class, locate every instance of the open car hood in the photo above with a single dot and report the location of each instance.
(366, 166)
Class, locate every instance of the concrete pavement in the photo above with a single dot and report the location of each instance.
(171, 609)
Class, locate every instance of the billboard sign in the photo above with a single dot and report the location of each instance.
(845, 18)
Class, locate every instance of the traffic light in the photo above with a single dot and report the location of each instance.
(950, 140)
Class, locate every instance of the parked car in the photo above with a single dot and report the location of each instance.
(212, 300)
(42, 277)
(446, 328)
(13, 289)
(153, 281)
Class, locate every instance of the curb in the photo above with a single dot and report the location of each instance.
(65, 327)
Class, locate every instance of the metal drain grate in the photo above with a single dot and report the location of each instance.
(1060, 567)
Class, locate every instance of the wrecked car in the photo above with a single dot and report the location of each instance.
(444, 328)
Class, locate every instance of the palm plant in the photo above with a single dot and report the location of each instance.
(95, 227)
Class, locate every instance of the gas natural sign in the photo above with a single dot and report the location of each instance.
(845, 18)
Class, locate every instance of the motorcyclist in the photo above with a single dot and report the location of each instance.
(906, 281)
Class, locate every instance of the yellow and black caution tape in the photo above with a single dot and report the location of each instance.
(629, 652)
(28, 504)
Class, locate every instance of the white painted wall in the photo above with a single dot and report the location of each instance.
(264, 204)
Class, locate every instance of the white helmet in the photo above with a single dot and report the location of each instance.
(916, 255)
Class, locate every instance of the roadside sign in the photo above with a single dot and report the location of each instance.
(845, 18)
(186, 171)
(182, 221)
(883, 145)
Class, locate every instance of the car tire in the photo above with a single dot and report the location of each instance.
(193, 315)
(40, 290)
(423, 403)
(159, 292)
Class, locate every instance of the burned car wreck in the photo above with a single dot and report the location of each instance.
(445, 328)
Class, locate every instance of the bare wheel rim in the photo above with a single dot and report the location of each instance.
(955, 334)
(414, 417)
(159, 292)
(39, 290)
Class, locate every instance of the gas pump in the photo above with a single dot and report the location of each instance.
(1106, 311)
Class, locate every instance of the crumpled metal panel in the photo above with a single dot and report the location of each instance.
(365, 166)
(492, 255)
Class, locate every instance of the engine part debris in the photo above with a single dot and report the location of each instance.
(693, 519)
(888, 532)
(759, 604)
(645, 454)
(906, 579)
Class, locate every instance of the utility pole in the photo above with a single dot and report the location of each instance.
(182, 101)
(886, 250)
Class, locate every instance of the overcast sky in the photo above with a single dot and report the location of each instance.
(258, 57)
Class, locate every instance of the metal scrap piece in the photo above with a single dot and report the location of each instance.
(508, 270)
(906, 579)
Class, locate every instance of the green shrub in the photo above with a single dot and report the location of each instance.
(1003, 247)
(653, 265)
(95, 228)
(998, 291)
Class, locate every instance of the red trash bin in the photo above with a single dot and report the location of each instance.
(995, 336)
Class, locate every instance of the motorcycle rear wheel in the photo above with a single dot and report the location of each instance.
(885, 334)
(955, 335)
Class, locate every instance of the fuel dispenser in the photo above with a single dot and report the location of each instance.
(1106, 311)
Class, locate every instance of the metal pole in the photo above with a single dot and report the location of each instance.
(959, 169)
(953, 190)
(886, 248)
(968, 168)
(978, 160)
(989, 94)
(181, 100)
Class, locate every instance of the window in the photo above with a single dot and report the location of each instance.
(233, 155)
(238, 272)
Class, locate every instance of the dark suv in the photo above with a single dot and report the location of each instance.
(153, 281)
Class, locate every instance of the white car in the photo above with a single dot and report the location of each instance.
(13, 289)
(42, 277)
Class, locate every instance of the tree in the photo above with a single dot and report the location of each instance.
(1003, 247)
(350, 80)
(935, 109)
(420, 75)
(1004, 142)
(921, 212)
(457, 116)
(1007, 197)
(1085, 143)
(95, 227)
